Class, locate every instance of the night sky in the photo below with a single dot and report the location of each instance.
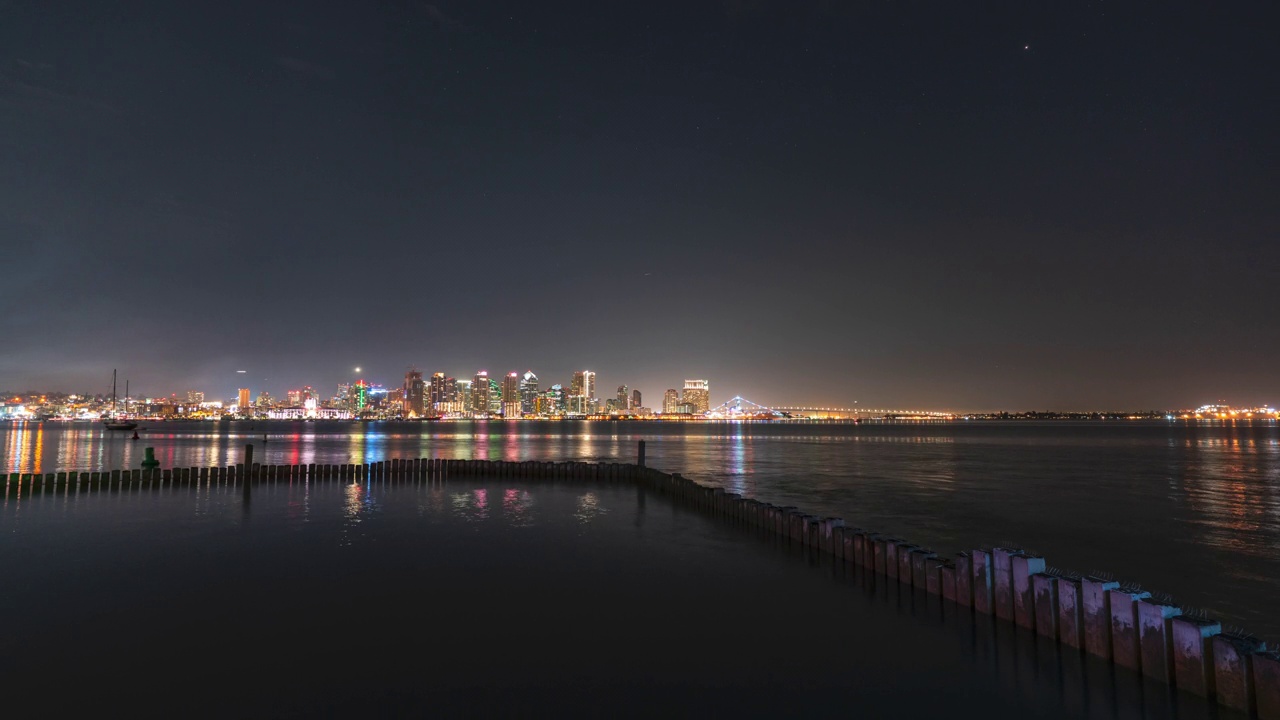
(943, 204)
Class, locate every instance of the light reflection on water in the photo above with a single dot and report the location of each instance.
(407, 587)
(1192, 509)
(589, 508)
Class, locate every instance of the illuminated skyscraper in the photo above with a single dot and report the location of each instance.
(511, 388)
(359, 396)
(414, 394)
(584, 384)
(194, 397)
(670, 401)
(460, 398)
(622, 400)
(438, 393)
(635, 400)
(293, 398)
(697, 394)
(551, 402)
(243, 399)
(495, 397)
(480, 393)
(529, 393)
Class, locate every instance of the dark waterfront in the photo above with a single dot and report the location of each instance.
(1188, 509)
(488, 598)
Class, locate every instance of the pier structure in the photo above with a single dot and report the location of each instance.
(1081, 615)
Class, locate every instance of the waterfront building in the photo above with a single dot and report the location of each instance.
(293, 398)
(194, 397)
(670, 401)
(697, 393)
(511, 410)
(622, 400)
(264, 400)
(243, 397)
(555, 401)
(635, 401)
(480, 393)
(414, 394)
(511, 388)
(611, 406)
(438, 392)
(309, 393)
(461, 395)
(528, 393)
(584, 384)
(495, 398)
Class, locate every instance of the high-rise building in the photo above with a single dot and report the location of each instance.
(511, 388)
(243, 399)
(622, 400)
(438, 394)
(459, 396)
(495, 397)
(584, 384)
(670, 400)
(194, 397)
(293, 398)
(480, 393)
(264, 399)
(635, 400)
(414, 394)
(554, 401)
(697, 394)
(309, 393)
(529, 393)
(359, 396)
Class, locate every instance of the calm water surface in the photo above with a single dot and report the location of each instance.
(1188, 509)
(483, 598)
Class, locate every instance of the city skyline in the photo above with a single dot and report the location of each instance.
(518, 394)
(1013, 206)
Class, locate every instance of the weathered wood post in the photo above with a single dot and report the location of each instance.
(248, 463)
(640, 455)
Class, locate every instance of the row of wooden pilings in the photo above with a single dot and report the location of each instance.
(407, 470)
(1111, 620)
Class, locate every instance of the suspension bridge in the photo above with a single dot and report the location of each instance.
(739, 407)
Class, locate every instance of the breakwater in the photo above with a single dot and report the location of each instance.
(1081, 614)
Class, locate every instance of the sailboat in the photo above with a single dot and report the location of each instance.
(111, 421)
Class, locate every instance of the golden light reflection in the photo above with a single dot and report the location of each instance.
(589, 508)
(1229, 481)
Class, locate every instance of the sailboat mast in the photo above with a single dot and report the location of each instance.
(113, 392)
